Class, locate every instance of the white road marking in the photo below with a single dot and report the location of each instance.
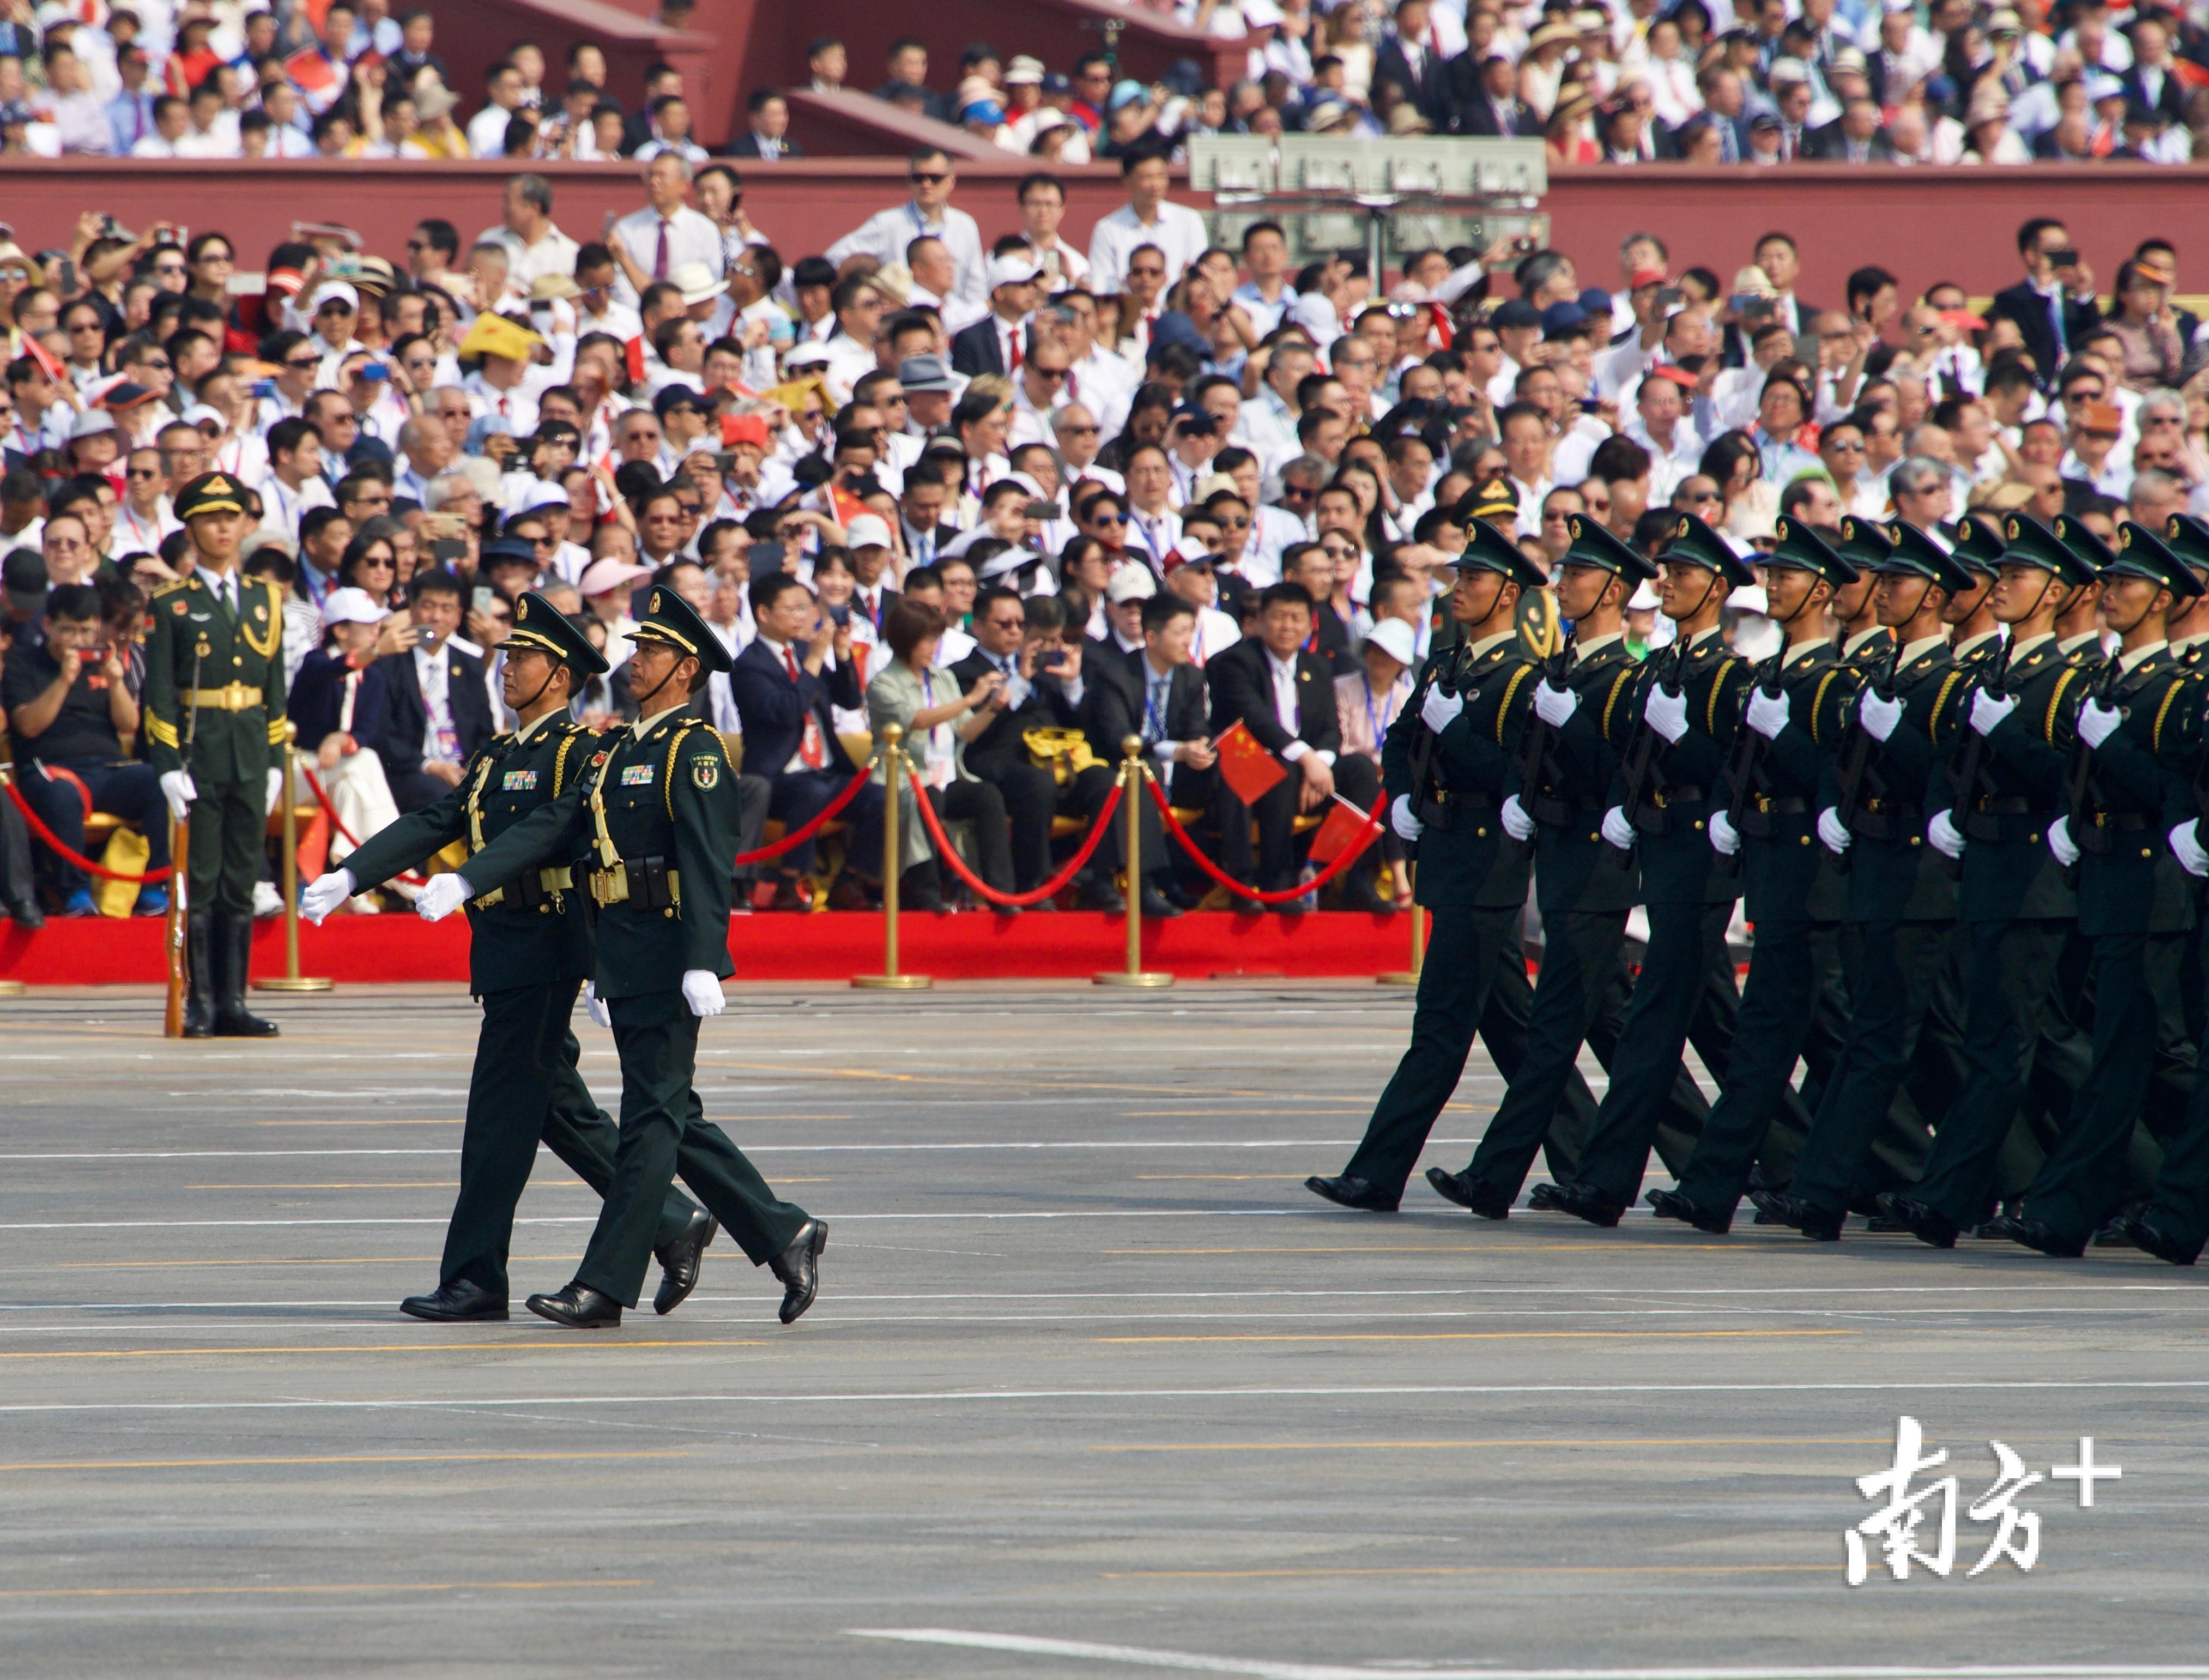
(759, 1148)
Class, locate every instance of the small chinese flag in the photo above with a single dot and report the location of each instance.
(1345, 825)
(49, 363)
(1249, 770)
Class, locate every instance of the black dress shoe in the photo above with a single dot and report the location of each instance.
(2150, 1238)
(1470, 1194)
(1098, 893)
(1157, 905)
(457, 1303)
(1586, 1202)
(1789, 1209)
(1671, 1205)
(579, 1307)
(1353, 1193)
(26, 915)
(2038, 1234)
(798, 1266)
(1935, 1229)
(1174, 893)
(1361, 894)
(2116, 1230)
(1543, 1198)
(679, 1263)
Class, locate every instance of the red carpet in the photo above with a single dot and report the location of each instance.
(833, 946)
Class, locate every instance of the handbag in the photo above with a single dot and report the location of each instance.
(1065, 752)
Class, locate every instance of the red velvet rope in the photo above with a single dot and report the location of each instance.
(798, 837)
(152, 877)
(315, 787)
(948, 853)
(1173, 826)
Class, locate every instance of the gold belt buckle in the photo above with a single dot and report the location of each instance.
(610, 886)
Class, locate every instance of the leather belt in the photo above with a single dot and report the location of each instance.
(1564, 813)
(1679, 793)
(633, 884)
(1988, 805)
(229, 697)
(532, 892)
(1891, 822)
(1787, 804)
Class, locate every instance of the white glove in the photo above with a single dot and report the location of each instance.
(1988, 711)
(1404, 821)
(1554, 706)
(1667, 712)
(702, 991)
(1948, 839)
(1516, 822)
(1832, 831)
(325, 893)
(1440, 710)
(1769, 714)
(443, 895)
(595, 1006)
(275, 788)
(1880, 714)
(1725, 839)
(177, 788)
(2061, 843)
(2185, 845)
(1616, 830)
(2098, 722)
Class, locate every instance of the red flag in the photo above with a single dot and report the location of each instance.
(49, 363)
(1249, 770)
(1345, 825)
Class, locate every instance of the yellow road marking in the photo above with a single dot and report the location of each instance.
(1216, 1177)
(1476, 1335)
(1633, 1249)
(378, 1347)
(328, 1586)
(358, 1458)
(1475, 1569)
(428, 1184)
(356, 1260)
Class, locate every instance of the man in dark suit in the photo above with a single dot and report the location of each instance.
(1160, 698)
(436, 710)
(1483, 98)
(2047, 316)
(1046, 687)
(790, 732)
(1854, 137)
(1284, 698)
(1410, 59)
(2152, 83)
(769, 139)
(997, 343)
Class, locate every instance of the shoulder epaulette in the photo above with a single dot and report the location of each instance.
(171, 587)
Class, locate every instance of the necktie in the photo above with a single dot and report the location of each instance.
(660, 257)
(809, 747)
(1013, 349)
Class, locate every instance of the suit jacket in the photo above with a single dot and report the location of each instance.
(407, 715)
(890, 598)
(2171, 99)
(945, 536)
(1474, 115)
(1828, 144)
(975, 349)
(1046, 707)
(317, 700)
(1117, 710)
(1242, 683)
(2031, 312)
(746, 145)
(772, 708)
(1427, 87)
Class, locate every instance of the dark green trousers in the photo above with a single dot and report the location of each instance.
(229, 821)
(1776, 1014)
(2083, 1180)
(663, 1132)
(525, 1088)
(1900, 967)
(1581, 997)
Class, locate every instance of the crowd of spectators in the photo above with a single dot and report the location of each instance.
(1023, 497)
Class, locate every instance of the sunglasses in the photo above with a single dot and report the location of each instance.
(927, 178)
(1054, 374)
(303, 361)
(1298, 493)
(1702, 496)
(1235, 524)
(1081, 432)
(1108, 519)
(1844, 449)
(140, 472)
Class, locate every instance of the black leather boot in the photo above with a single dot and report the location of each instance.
(199, 972)
(233, 944)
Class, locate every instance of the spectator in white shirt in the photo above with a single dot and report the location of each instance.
(1042, 208)
(295, 481)
(667, 233)
(487, 129)
(535, 246)
(1146, 219)
(885, 235)
(1266, 296)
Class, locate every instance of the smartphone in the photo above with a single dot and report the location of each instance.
(480, 598)
(840, 613)
(1669, 297)
(373, 372)
(1051, 660)
(263, 387)
(448, 548)
(725, 459)
(2064, 259)
(1748, 303)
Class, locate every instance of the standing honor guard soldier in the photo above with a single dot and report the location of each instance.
(656, 810)
(214, 727)
(529, 953)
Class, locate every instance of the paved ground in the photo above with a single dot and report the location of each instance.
(1093, 1384)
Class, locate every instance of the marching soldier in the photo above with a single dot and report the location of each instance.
(529, 953)
(214, 705)
(1448, 766)
(2132, 893)
(1559, 796)
(1899, 900)
(657, 807)
(1674, 724)
(1774, 776)
(1973, 633)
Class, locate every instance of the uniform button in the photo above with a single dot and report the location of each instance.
(1480, 833)
(1806, 839)
(2145, 852)
(2034, 838)
(1698, 827)
(1914, 840)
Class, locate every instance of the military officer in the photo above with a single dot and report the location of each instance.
(2132, 893)
(1561, 789)
(1769, 824)
(1448, 766)
(1973, 633)
(214, 705)
(657, 809)
(1673, 726)
(528, 955)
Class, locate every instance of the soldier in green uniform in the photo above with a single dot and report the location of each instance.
(1974, 633)
(1557, 802)
(1901, 903)
(2014, 909)
(213, 706)
(1447, 767)
(656, 807)
(529, 953)
(1769, 823)
(1673, 726)
(2132, 893)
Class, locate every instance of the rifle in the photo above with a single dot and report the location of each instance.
(2100, 686)
(1537, 746)
(1748, 747)
(1964, 773)
(1641, 757)
(1423, 748)
(180, 847)
(1857, 756)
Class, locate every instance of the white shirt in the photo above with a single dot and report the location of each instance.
(885, 235)
(691, 238)
(554, 253)
(1286, 711)
(1151, 538)
(1179, 232)
(487, 131)
(284, 506)
(439, 733)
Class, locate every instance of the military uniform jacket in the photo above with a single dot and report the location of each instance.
(1464, 856)
(1574, 867)
(1688, 777)
(1894, 873)
(2128, 880)
(665, 800)
(528, 938)
(1785, 874)
(2008, 872)
(233, 661)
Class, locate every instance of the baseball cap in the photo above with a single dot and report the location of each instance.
(351, 606)
(24, 575)
(1012, 269)
(867, 531)
(1024, 72)
(1395, 638)
(1132, 582)
(602, 577)
(333, 292)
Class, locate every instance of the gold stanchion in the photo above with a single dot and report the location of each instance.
(1131, 786)
(890, 979)
(1410, 977)
(290, 980)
